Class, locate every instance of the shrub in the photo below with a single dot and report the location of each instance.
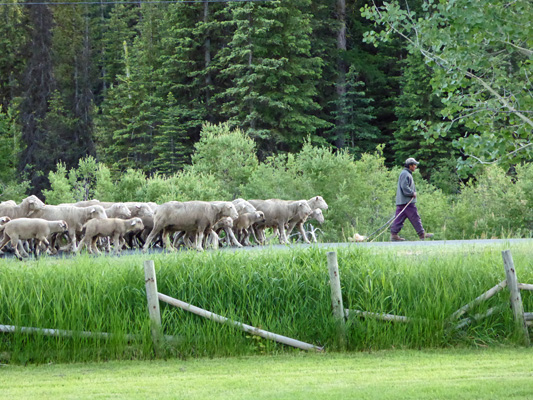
(490, 207)
(227, 154)
(60, 186)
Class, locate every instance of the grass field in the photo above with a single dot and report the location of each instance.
(496, 373)
(283, 291)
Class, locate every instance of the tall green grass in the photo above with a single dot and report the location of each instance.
(286, 292)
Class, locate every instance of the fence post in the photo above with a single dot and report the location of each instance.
(516, 299)
(336, 296)
(153, 303)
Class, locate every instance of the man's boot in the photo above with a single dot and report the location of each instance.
(394, 237)
(425, 235)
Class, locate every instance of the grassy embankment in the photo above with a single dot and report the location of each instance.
(495, 373)
(286, 292)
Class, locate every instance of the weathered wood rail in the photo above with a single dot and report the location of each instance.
(522, 319)
(153, 298)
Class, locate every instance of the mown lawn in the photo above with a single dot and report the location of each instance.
(495, 373)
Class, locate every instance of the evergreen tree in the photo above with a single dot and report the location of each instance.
(417, 103)
(71, 45)
(272, 74)
(38, 83)
(12, 57)
(355, 111)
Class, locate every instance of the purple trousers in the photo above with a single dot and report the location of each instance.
(411, 213)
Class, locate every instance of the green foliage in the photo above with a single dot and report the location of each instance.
(227, 154)
(285, 292)
(130, 185)
(60, 186)
(11, 187)
(417, 107)
(190, 185)
(355, 111)
(104, 189)
(479, 53)
(268, 61)
(493, 206)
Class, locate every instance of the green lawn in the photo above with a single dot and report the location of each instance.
(505, 373)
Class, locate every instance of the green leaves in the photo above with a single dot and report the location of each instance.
(479, 69)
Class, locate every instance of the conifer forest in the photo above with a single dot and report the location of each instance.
(133, 83)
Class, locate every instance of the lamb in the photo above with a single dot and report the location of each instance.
(108, 227)
(244, 222)
(75, 217)
(279, 212)
(316, 215)
(315, 202)
(190, 216)
(30, 228)
(211, 236)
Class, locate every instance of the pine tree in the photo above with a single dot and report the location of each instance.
(12, 39)
(354, 108)
(271, 74)
(71, 46)
(38, 83)
(417, 103)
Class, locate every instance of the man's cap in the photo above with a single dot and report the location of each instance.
(410, 161)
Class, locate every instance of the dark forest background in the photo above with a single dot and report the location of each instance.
(132, 85)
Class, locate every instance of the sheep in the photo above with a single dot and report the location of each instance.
(118, 210)
(211, 236)
(316, 215)
(315, 202)
(190, 216)
(279, 212)
(108, 227)
(30, 228)
(28, 206)
(244, 222)
(74, 216)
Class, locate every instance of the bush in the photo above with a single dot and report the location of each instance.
(229, 155)
(493, 206)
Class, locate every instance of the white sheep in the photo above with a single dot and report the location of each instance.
(30, 228)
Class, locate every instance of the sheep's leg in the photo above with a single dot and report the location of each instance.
(155, 230)
(5, 241)
(36, 249)
(166, 240)
(20, 245)
(282, 237)
(198, 240)
(14, 244)
(302, 232)
(290, 228)
(94, 247)
(116, 243)
(213, 239)
(231, 235)
(177, 237)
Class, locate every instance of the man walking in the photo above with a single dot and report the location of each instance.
(405, 204)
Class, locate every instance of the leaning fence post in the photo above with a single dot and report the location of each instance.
(516, 299)
(336, 296)
(153, 302)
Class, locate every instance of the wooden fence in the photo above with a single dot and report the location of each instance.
(522, 319)
(153, 297)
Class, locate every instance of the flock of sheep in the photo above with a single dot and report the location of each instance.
(35, 226)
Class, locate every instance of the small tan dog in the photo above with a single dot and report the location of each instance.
(357, 238)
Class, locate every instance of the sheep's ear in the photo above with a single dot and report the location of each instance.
(138, 206)
(133, 222)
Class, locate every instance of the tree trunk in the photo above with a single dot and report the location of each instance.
(341, 73)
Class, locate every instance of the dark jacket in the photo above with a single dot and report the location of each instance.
(406, 187)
